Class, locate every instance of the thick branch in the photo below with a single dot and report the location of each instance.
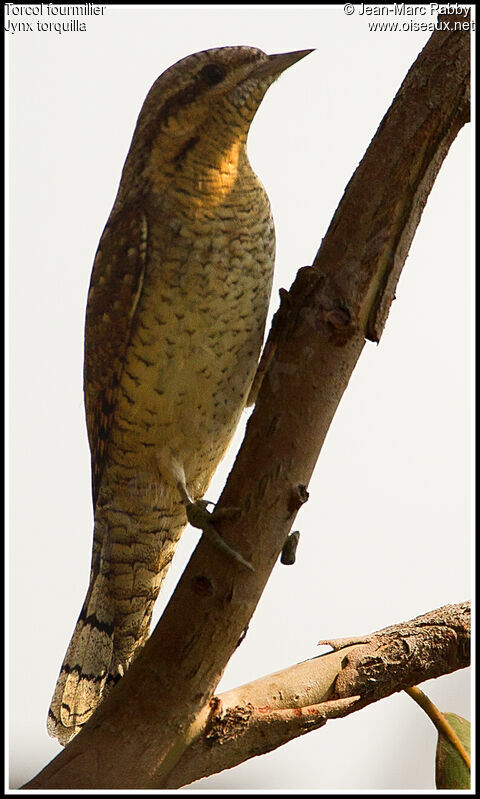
(143, 727)
(262, 715)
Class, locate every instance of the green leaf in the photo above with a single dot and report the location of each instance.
(451, 771)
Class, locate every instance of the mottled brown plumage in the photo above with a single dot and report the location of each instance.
(175, 319)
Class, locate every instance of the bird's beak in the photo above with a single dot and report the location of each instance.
(277, 63)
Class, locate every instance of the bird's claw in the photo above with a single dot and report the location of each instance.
(200, 517)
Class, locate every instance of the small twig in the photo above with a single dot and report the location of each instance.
(439, 720)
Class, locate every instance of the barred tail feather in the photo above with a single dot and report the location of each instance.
(128, 567)
(86, 669)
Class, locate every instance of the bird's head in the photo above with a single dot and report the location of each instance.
(205, 101)
(205, 84)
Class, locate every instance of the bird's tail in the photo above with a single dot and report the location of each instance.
(86, 670)
(114, 622)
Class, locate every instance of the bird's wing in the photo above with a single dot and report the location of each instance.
(115, 289)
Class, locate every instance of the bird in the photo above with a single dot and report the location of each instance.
(175, 319)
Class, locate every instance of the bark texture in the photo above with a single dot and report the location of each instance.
(262, 715)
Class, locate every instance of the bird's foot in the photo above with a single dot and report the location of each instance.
(200, 517)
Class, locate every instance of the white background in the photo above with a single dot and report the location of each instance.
(385, 535)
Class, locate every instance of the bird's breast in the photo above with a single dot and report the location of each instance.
(197, 334)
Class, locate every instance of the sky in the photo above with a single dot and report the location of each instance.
(387, 532)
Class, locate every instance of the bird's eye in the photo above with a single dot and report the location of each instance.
(212, 74)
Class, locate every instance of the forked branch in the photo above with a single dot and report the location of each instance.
(262, 715)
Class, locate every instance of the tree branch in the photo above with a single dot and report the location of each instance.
(141, 730)
(262, 715)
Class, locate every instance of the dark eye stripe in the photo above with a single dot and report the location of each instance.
(210, 75)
